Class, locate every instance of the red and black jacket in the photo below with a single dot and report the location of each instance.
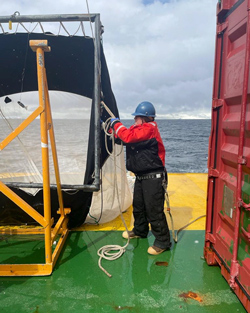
(145, 152)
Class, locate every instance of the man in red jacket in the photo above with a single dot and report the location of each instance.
(145, 157)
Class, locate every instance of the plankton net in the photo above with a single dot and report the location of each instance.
(78, 80)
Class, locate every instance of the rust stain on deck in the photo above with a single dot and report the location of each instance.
(191, 295)
(161, 263)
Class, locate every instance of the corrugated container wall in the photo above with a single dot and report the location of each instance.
(228, 203)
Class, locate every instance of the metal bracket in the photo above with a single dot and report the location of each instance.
(222, 27)
(242, 160)
(212, 172)
(217, 103)
(210, 237)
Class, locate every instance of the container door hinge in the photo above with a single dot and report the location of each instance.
(213, 172)
(242, 160)
(217, 103)
(222, 27)
(209, 237)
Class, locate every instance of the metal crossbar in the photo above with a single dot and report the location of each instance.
(49, 18)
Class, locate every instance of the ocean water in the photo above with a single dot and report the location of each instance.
(186, 143)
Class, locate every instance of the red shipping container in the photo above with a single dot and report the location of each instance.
(228, 200)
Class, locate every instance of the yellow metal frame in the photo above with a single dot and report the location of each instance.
(46, 128)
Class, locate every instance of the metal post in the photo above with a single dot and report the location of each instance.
(97, 100)
(40, 47)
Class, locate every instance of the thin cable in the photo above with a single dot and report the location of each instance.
(34, 27)
(83, 30)
(60, 25)
(25, 27)
(41, 27)
(16, 28)
(169, 211)
(90, 20)
(65, 29)
(77, 30)
(175, 233)
(183, 227)
(100, 216)
(24, 66)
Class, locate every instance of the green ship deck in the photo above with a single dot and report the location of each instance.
(178, 280)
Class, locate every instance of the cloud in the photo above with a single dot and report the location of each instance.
(160, 51)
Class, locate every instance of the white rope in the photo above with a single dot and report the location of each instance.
(25, 28)
(83, 30)
(106, 127)
(107, 109)
(41, 26)
(16, 28)
(61, 23)
(77, 30)
(59, 29)
(34, 27)
(113, 252)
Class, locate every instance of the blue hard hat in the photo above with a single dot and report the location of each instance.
(145, 108)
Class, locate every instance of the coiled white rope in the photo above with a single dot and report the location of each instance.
(112, 252)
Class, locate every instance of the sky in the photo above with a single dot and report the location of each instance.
(160, 51)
